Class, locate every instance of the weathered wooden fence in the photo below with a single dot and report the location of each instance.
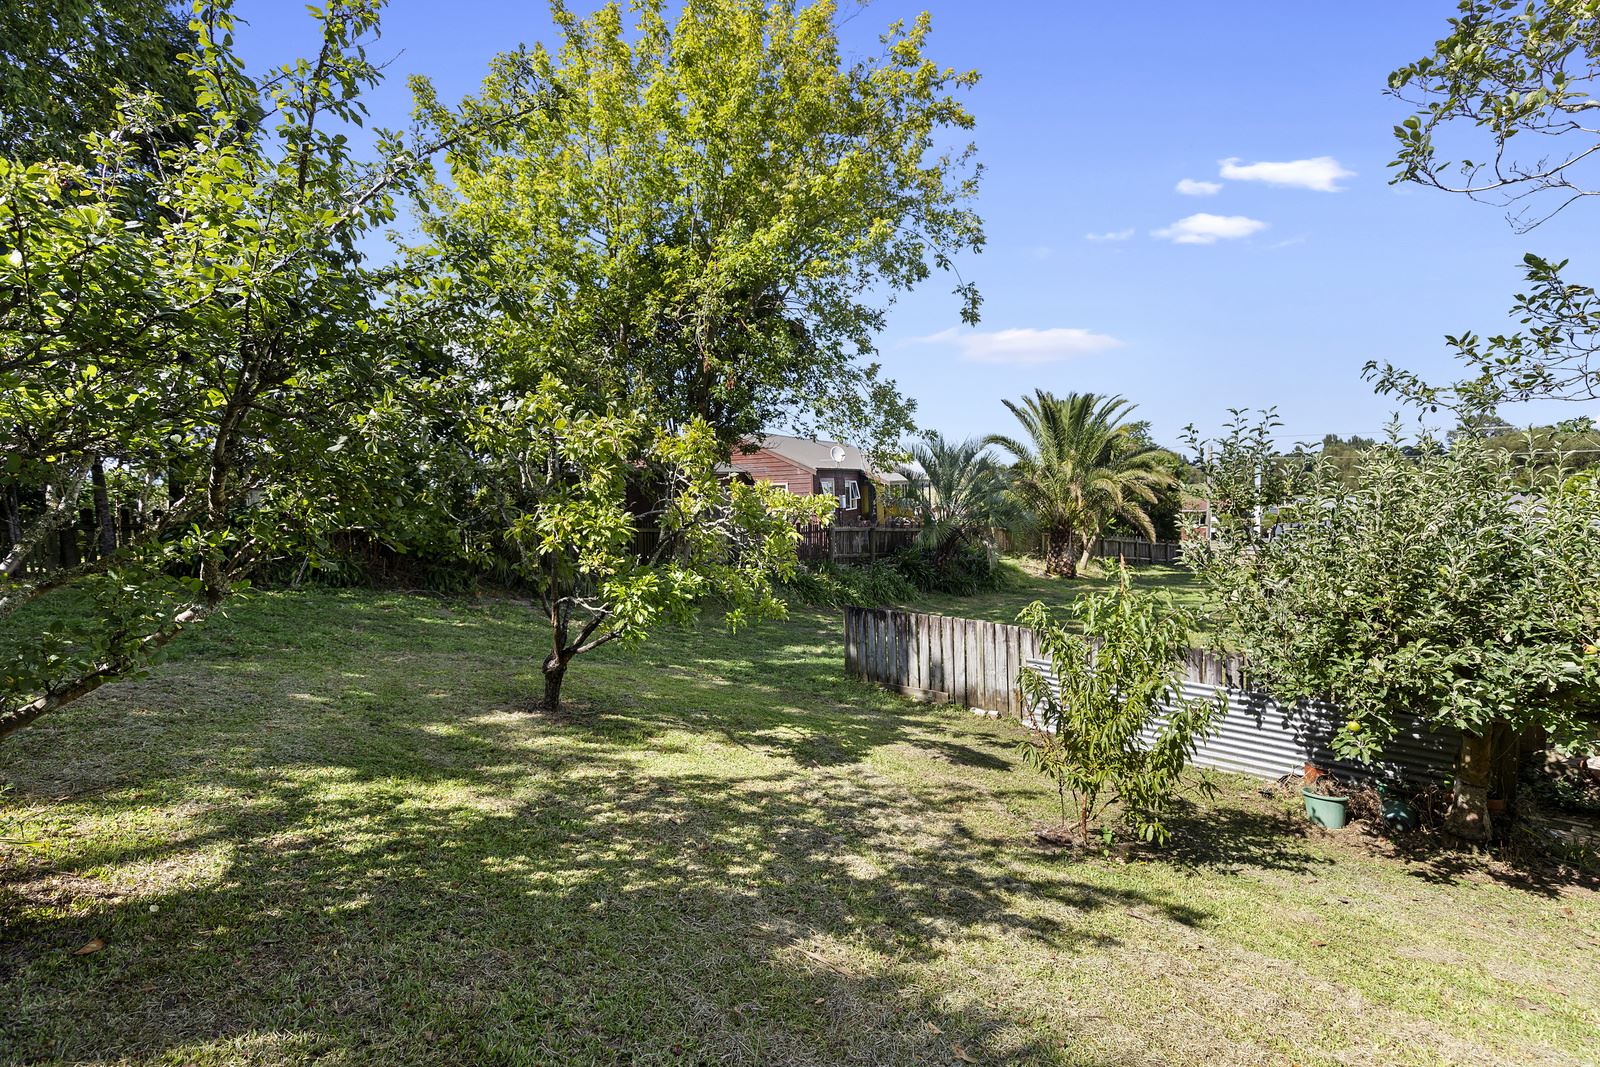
(1136, 550)
(977, 664)
(939, 658)
(854, 544)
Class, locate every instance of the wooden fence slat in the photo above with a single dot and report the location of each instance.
(1011, 670)
(902, 648)
(850, 641)
(965, 661)
(929, 657)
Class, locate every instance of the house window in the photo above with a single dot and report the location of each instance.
(827, 486)
(852, 495)
(781, 485)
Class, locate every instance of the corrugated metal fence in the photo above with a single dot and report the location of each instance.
(977, 664)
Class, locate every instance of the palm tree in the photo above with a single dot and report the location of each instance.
(1079, 466)
(962, 490)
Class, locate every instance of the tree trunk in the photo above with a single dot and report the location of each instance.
(1059, 553)
(102, 509)
(1469, 815)
(1087, 554)
(13, 507)
(555, 670)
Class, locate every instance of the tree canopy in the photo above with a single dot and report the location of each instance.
(713, 216)
(1504, 115)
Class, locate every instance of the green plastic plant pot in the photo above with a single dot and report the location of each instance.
(1332, 812)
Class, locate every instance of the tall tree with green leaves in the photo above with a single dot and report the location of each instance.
(1077, 465)
(229, 348)
(699, 236)
(714, 216)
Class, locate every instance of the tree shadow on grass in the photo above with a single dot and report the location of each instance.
(1432, 857)
(1227, 839)
(383, 874)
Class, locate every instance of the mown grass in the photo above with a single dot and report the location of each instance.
(330, 830)
(1028, 583)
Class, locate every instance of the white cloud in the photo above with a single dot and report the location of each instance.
(1320, 174)
(1110, 235)
(1207, 229)
(1190, 187)
(1025, 345)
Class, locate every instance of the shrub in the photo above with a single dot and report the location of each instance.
(965, 569)
(1425, 583)
(828, 585)
(1118, 728)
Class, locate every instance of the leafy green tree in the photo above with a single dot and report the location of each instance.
(64, 62)
(1078, 466)
(1427, 587)
(1114, 724)
(961, 492)
(1245, 477)
(228, 348)
(695, 241)
(714, 216)
(1503, 115)
(618, 525)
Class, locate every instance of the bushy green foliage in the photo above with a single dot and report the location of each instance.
(964, 569)
(1116, 726)
(1430, 586)
(830, 585)
(192, 312)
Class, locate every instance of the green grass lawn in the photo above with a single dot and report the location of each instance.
(1032, 584)
(328, 830)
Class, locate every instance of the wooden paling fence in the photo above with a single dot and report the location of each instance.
(853, 544)
(1135, 550)
(939, 658)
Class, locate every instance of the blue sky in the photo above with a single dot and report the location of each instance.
(1088, 118)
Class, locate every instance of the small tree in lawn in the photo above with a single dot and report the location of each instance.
(1115, 726)
(619, 525)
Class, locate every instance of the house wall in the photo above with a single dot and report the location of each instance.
(856, 516)
(767, 466)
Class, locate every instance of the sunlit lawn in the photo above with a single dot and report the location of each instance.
(330, 831)
(1030, 583)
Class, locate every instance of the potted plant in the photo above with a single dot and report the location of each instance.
(1327, 803)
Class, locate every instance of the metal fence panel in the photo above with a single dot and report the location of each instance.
(977, 664)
